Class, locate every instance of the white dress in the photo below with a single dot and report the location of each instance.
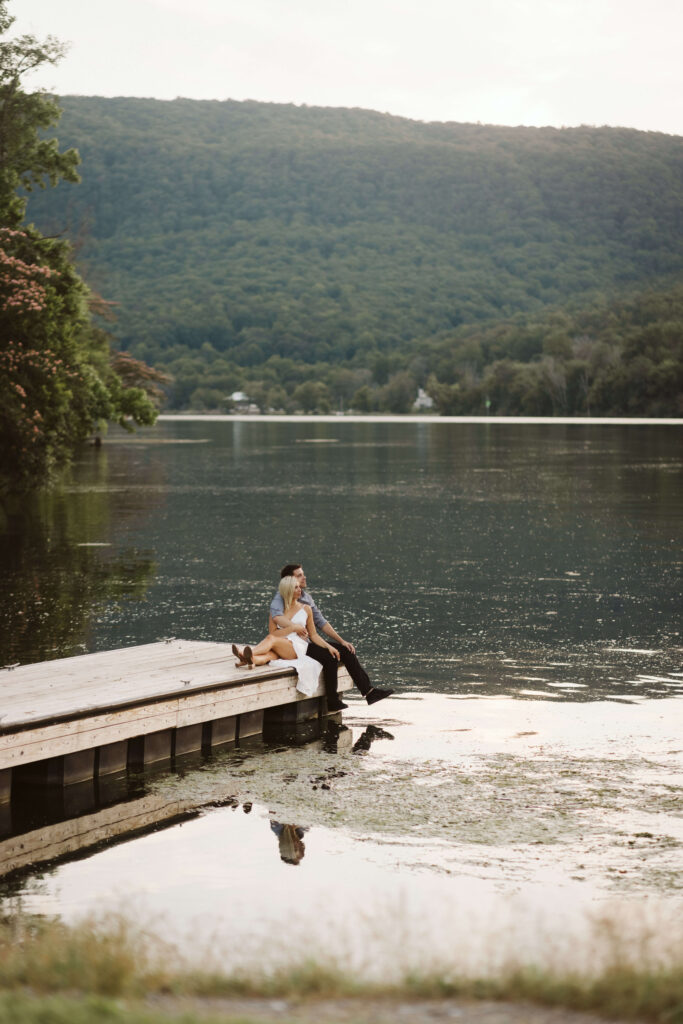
(308, 669)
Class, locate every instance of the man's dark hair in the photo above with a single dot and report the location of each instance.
(288, 570)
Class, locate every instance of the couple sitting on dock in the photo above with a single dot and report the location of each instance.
(293, 637)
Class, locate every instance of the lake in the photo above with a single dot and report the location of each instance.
(451, 554)
(517, 584)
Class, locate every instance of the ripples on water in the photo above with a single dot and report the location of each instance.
(483, 558)
(465, 561)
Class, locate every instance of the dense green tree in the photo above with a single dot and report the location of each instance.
(624, 357)
(364, 400)
(47, 397)
(312, 396)
(57, 380)
(27, 159)
(398, 394)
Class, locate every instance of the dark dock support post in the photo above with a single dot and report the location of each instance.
(77, 767)
(112, 758)
(58, 772)
(5, 798)
(219, 732)
(188, 739)
(250, 724)
(295, 722)
(152, 748)
(297, 711)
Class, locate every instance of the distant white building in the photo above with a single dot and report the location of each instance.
(423, 401)
(243, 403)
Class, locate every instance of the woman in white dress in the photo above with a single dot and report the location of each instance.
(290, 648)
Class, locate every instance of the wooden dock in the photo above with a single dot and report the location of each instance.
(75, 718)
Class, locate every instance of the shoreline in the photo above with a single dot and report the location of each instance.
(592, 421)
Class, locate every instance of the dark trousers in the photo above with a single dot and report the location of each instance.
(330, 666)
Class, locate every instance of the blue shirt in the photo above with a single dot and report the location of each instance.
(277, 607)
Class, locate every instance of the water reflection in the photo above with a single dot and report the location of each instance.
(337, 738)
(497, 792)
(65, 556)
(368, 737)
(50, 824)
(290, 842)
(37, 801)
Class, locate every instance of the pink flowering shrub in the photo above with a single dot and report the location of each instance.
(57, 379)
(45, 400)
(23, 284)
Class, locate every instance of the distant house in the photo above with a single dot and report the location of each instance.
(423, 401)
(242, 402)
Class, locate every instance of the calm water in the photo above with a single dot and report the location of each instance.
(519, 559)
(472, 565)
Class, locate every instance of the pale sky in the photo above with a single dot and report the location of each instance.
(532, 62)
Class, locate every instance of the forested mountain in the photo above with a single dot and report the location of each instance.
(292, 247)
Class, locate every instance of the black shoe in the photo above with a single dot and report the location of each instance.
(375, 694)
(339, 706)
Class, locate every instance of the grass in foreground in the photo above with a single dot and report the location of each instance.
(77, 973)
(19, 1008)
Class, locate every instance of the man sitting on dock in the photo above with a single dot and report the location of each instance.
(330, 663)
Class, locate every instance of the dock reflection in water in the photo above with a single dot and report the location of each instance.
(492, 812)
(48, 823)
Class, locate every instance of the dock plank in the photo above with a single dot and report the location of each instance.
(95, 681)
(88, 673)
(98, 699)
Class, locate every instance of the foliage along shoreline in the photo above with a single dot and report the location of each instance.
(380, 417)
(622, 359)
(59, 378)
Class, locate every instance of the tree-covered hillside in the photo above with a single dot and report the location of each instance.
(231, 233)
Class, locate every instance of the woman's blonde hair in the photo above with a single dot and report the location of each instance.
(288, 585)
